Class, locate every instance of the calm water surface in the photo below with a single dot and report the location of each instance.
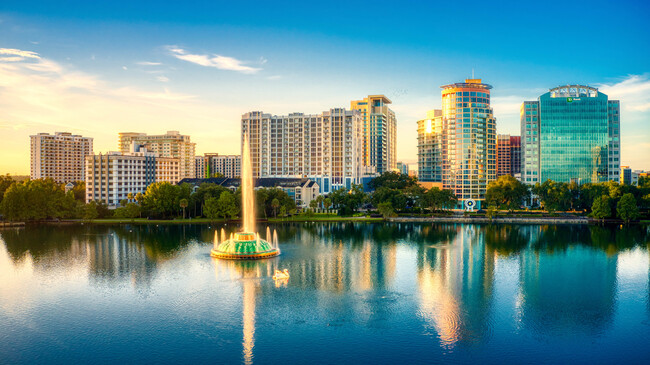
(376, 293)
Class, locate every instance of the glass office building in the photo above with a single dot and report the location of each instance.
(468, 140)
(571, 133)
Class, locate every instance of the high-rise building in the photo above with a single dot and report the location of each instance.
(225, 165)
(402, 168)
(379, 128)
(112, 176)
(200, 167)
(323, 147)
(172, 144)
(60, 156)
(508, 155)
(457, 146)
(571, 133)
(629, 177)
(430, 147)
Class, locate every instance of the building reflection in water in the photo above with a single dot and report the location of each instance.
(559, 290)
(455, 280)
(112, 258)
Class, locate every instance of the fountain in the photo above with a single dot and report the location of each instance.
(246, 245)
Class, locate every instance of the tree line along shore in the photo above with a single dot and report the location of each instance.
(392, 195)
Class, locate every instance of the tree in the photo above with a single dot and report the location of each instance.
(553, 195)
(626, 208)
(275, 204)
(79, 191)
(392, 180)
(183, 204)
(161, 199)
(211, 208)
(313, 204)
(327, 203)
(394, 196)
(226, 205)
(601, 207)
(348, 201)
(5, 182)
(506, 192)
(386, 209)
(37, 200)
(90, 211)
(436, 199)
(130, 211)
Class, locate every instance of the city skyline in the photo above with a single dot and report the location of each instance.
(96, 71)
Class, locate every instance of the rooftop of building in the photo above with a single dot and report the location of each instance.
(573, 91)
(468, 84)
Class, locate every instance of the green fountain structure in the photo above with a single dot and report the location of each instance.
(246, 245)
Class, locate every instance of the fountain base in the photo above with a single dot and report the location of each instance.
(244, 246)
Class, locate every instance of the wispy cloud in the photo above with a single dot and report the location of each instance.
(147, 63)
(16, 55)
(214, 60)
(162, 78)
(41, 95)
(633, 91)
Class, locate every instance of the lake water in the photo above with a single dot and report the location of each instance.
(369, 293)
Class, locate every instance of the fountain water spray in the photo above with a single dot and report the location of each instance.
(246, 244)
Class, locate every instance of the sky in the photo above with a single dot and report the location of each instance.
(97, 68)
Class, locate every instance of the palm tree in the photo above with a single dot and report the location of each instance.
(183, 203)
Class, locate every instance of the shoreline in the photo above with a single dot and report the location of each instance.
(496, 220)
(363, 219)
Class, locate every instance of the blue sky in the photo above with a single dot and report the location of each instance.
(99, 68)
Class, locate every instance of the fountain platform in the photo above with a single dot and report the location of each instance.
(244, 246)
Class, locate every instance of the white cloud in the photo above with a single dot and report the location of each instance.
(162, 78)
(16, 55)
(124, 68)
(147, 63)
(214, 60)
(633, 92)
(45, 96)
(274, 77)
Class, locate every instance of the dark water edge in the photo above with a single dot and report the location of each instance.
(377, 292)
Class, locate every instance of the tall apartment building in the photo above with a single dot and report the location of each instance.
(379, 129)
(508, 155)
(457, 145)
(111, 177)
(403, 168)
(60, 156)
(172, 144)
(571, 133)
(226, 165)
(200, 167)
(430, 142)
(324, 147)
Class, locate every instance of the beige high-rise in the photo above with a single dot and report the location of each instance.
(379, 129)
(324, 147)
(60, 156)
(172, 144)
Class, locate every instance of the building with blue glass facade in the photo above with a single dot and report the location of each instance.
(571, 133)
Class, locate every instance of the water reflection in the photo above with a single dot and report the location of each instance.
(455, 279)
(440, 280)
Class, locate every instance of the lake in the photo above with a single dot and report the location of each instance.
(375, 293)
